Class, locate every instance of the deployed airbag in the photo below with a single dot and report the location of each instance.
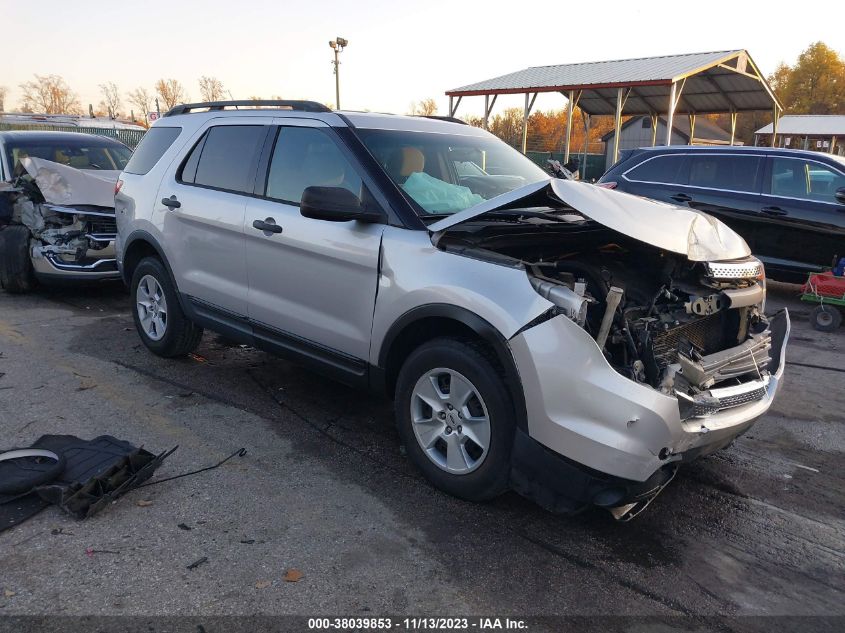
(437, 196)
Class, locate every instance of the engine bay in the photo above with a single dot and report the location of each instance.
(688, 329)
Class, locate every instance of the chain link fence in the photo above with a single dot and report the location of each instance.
(130, 138)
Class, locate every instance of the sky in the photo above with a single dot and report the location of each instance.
(398, 52)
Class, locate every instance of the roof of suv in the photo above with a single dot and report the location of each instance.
(672, 149)
(335, 118)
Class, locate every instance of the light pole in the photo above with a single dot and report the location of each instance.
(337, 45)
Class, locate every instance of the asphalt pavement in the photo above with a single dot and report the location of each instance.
(325, 494)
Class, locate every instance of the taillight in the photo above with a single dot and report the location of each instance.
(607, 185)
(117, 187)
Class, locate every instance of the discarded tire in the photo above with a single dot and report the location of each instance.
(22, 469)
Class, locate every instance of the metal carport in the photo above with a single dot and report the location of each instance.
(693, 83)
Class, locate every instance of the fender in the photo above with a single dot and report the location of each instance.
(481, 327)
(141, 235)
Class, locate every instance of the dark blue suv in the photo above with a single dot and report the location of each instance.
(789, 205)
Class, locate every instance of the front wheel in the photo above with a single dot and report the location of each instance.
(159, 319)
(16, 273)
(455, 417)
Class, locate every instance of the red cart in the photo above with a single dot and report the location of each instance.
(828, 291)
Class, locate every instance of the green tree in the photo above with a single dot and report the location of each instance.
(815, 84)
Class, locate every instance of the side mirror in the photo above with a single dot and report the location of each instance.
(335, 204)
(840, 195)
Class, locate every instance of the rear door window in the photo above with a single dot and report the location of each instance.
(805, 179)
(151, 148)
(660, 169)
(720, 171)
(225, 158)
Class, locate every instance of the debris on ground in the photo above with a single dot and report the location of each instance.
(293, 575)
(197, 563)
(80, 476)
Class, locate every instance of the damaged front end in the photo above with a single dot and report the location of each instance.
(653, 353)
(71, 219)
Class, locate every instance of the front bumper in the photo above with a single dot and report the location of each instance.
(582, 409)
(97, 266)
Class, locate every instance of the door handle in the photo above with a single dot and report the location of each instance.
(773, 211)
(269, 226)
(171, 202)
(681, 197)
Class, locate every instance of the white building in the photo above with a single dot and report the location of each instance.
(821, 132)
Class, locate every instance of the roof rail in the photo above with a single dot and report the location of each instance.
(212, 106)
(436, 117)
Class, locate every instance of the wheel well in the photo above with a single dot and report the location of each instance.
(138, 250)
(420, 332)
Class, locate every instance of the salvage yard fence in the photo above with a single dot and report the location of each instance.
(130, 138)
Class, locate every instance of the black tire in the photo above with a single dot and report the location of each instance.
(181, 335)
(16, 273)
(472, 361)
(21, 474)
(825, 318)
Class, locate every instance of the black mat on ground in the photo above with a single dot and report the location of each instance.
(96, 473)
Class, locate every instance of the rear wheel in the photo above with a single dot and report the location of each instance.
(825, 318)
(455, 417)
(16, 273)
(159, 319)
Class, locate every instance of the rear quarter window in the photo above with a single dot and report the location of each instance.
(151, 148)
(661, 169)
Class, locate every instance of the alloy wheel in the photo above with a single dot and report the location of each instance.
(152, 307)
(450, 421)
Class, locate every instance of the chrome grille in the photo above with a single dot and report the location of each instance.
(734, 270)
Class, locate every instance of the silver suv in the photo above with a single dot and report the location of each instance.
(568, 341)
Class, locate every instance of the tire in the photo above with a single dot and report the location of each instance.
(468, 473)
(825, 318)
(172, 333)
(16, 273)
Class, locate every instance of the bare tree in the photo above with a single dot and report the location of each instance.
(211, 89)
(426, 107)
(141, 99)
(111, 98)
(49, 94)
(3, 92)
(171, 92)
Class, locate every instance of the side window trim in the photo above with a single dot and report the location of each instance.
(201, 142)
(769, 175)
(684, 171)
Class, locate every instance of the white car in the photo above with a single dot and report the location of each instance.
(571, 342)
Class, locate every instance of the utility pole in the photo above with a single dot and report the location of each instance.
(337, 45)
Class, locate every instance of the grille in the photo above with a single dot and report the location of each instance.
(702, 409)
(706, 334)
(102, 225)
(734, 270)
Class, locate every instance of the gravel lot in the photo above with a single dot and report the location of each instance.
(758, 529)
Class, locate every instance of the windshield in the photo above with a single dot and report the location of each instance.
(82, 154)
(447, 173)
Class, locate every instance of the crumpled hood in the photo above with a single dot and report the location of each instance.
(678, 229)
(64, 185)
